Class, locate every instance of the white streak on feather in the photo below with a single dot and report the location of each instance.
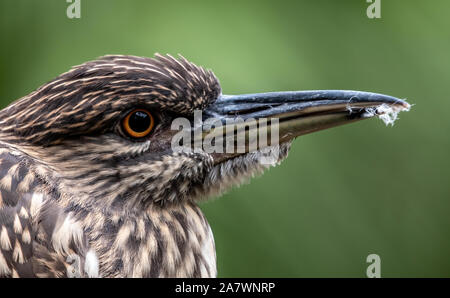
(23, 213)
(209, 254)
(15, 274)
(91, 264)
(5, 243)
(5, 182)
(17, 253)
(26, 237)
(36, 203)
(70, 230)
(17, 225)
(4, 268)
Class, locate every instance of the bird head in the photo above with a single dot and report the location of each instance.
(104, 131)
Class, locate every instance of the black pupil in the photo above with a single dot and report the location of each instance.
(139, 121)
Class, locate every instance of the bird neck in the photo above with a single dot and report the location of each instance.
(161, 241)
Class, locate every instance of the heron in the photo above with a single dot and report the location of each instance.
(91, 185)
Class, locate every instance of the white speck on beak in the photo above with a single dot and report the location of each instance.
(387, 113)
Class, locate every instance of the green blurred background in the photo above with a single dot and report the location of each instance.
(343, 193)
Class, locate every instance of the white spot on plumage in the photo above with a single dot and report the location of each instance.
(36, 203)
(15, 274)
(5, 182)
(23, 213)
(5, 243)
(68, 231)
(209, 253)
(17, 225)
(13, 171)
(25, 183)
(4, 268)
(26, 237)
(91, 264)
(123, 235)
(17, 253)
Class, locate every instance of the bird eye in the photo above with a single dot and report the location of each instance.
(138, 123)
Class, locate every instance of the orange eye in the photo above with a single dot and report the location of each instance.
(138, 123)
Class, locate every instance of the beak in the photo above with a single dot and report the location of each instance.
(296, 113)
